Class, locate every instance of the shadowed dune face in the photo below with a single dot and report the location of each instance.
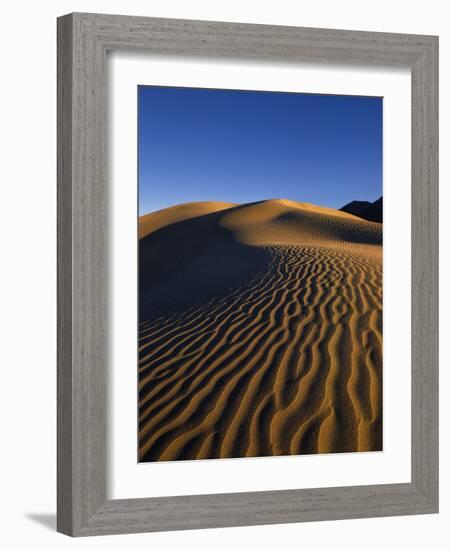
(260, 332)
(190, 262)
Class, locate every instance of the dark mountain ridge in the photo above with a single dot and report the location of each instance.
(371, 211)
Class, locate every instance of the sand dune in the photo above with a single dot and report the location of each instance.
(150, 223)
(260, 332)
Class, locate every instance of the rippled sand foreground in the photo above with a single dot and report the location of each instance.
(260, 331)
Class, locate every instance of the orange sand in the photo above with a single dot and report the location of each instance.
(260, 331)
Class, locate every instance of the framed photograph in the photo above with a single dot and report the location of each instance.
(247, 274)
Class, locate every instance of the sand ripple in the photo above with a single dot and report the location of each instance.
(290, 362)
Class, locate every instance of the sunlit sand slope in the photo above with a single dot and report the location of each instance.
(263, 336)
(150, 223)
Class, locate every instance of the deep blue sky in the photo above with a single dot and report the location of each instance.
(244, 146)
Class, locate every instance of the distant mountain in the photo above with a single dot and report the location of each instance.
(371, 211)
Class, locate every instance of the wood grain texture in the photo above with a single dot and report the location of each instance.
(64, 250)
(424, 279)
(83, 40)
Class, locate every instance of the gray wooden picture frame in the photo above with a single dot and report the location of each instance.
(83, 41)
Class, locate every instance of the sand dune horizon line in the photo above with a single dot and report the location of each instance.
(227, 204)
(155, 220)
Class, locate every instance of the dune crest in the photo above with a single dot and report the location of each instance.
(289, 222)
(260, 331)
(148, 223)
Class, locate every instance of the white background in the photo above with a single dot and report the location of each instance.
(131, 480)
(28, 300)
